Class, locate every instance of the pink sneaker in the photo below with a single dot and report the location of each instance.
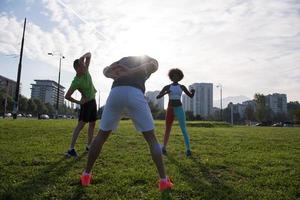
(164, 185)
(85, 179)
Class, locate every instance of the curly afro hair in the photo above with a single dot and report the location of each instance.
(174, 74)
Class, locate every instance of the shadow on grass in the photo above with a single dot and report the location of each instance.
(41, 182)
(166, 195)
(201, 181)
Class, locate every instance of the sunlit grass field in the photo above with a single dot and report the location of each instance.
(227, 163)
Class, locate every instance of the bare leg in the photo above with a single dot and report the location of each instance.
(155, 150)
(91, 132)
(76, 132)
(96, 148)
(169, 122)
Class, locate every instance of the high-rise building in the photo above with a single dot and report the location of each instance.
(46, 91)
(9, 86)
(151, 97)
(186, 103)
(202, 103)
(240, 109)
(277, 102)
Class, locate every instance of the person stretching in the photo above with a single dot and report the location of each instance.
(127, 92)
(175, 108)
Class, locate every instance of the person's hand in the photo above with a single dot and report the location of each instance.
(117, 70)
(193, 91)
(83, 100)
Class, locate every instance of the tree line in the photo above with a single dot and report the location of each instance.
(32, 106)
(262, 113)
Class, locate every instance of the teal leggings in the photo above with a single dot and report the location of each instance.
(180, 115)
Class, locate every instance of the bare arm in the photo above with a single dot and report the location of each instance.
(116, 70)
(163, 92)
(190, 94)
(147, 68)
(111, 71)
(69, 97)
(85, 60)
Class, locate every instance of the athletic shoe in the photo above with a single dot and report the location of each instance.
(164, 151)
(71, 153)
(165, 185)
(188, 153)
(85, 179)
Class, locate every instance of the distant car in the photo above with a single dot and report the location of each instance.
(7, 114)
(29, 115)
(44, 116)
(62, 116)
(277, 125)
(258, 124)
(20, 115)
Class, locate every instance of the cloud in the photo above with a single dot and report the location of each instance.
(245, 45)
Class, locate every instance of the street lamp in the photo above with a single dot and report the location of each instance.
(221, 87)
(57, 98)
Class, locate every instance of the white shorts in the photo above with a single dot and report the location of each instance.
(133, 100)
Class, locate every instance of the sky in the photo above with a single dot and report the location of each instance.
(247, 46)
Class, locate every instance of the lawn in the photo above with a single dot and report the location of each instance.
(227, 163)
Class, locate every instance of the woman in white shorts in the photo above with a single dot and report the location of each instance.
(130, 75)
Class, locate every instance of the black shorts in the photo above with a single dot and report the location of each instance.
(88, 111)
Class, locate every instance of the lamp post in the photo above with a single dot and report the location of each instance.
(58, 82)
(221, 87)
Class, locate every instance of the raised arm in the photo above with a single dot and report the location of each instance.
(185, 90)
(85, 60)
(148, 67)
(112, 70)
(164, 91)
(116, 70)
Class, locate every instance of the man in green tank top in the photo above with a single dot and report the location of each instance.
(88, 108)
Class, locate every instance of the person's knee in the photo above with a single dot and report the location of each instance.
(81, 124)
(104, 134)
(156, 149)
(92, 124)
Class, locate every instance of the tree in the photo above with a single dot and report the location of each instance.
(154, 109)
(10, 104)
(41, 108)
(31, 106)
(50, 108)
(249, 113)
(23, 104)
(297, 116)
(292, 108)
(260, 107)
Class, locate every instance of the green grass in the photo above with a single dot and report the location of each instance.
(227, 163)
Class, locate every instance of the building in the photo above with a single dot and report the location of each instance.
(46, 91)
(151, 97)
(9, 86)
(277, 102)
(250, 103)
(202, 103)
(239, 109)
(186, 103)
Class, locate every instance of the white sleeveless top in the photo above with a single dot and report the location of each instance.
(175, 92)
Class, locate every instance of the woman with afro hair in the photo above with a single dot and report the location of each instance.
(174, 90)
